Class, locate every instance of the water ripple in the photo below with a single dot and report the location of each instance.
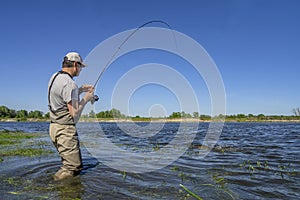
(250, 161)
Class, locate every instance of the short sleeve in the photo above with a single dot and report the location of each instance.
(70, 92)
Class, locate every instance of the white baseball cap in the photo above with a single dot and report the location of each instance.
(75, 57)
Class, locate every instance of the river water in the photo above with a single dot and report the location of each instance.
(249, 161)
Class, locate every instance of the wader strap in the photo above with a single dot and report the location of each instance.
(60, 72)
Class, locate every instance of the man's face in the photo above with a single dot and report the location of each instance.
(78, 67)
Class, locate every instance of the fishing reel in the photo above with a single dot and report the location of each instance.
(96, 98)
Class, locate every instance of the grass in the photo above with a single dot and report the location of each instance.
(217, 182)
(284, 170)
(12, 137)
(18, 143)
(25, 152)
(190, 192)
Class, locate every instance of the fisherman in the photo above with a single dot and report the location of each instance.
(65, 109)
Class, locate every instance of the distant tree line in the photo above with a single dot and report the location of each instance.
(6, 113)
(177, 115)
(113, 113)
(260, 117)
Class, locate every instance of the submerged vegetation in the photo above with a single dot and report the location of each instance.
(190, 192)
(17, 143)
(257, 167)
(11, 137)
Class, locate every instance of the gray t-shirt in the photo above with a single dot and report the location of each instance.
(64, 90)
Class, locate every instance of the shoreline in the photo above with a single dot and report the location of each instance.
(159, 120)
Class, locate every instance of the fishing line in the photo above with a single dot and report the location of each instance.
(126, 39)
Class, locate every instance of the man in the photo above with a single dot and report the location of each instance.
(65, 109)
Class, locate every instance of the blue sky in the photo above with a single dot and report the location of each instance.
(255, 45)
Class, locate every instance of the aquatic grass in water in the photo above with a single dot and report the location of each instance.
(13, 137)
(18, 143)
(262, 166)
(190, 192)
(22, 187)
(25, 152)
(218, 183)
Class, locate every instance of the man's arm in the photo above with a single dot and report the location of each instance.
(76, 108)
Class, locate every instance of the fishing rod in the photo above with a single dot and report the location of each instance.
(96, 98)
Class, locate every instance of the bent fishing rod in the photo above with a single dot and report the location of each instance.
(96, 98)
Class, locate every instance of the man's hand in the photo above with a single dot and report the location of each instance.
(86, 88)
(75, 107)
(89, 95)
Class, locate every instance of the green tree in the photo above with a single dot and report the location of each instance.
(100, 114)
(47, 115)
(251, 116)
(241, 116)
(35, 114)
(205, 117)
(261, 117)
(175, 115)
(4, 111)
(195, 114)
(12, 113)
(22, 114)
(116, 113)
(108, 114)
(113, 113)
